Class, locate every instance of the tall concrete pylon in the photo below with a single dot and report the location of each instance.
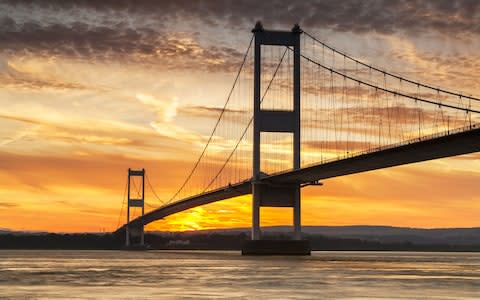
(265, 195)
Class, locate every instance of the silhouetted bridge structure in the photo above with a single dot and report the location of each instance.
(317, 113)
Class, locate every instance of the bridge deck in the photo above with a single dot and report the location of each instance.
(463, 142)
(453, 144)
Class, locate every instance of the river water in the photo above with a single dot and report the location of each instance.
(228, 275)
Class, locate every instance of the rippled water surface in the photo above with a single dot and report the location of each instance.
(209, 274)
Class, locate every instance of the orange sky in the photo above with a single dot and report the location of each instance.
(88, 92)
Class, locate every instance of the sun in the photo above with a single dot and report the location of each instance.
(190, 220)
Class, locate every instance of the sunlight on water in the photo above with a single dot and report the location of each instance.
(208, 274)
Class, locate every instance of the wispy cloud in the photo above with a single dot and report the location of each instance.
(7, 205)
(165, 108)
(11, 77)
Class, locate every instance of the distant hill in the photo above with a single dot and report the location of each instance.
(383, 234)
(5, 230)
(23, 232)
(359, 238)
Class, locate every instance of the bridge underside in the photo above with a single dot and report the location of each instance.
(434, 148)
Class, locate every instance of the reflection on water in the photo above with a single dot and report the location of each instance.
(209, 274)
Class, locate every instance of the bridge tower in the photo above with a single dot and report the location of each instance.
(135, 230)
(267, 120)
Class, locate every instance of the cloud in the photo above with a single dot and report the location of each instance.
(119, 43)
(7, 205)
(448, 17)
(94, 170)
(148, 32)
(238, 116)
(129, 139)
(13, 78)
(166, 109)
(448, 69)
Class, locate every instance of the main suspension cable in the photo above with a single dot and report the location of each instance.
(153, 191)
(416, 98)
(216, 124)
(391, 74)
(123, 202)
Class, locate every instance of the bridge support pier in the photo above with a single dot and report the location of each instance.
(256, 211)
(267, 195)
(297, 214)
(283, 121)
(271, 197)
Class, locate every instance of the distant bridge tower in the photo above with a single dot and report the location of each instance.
(276, 121)
(135, 230)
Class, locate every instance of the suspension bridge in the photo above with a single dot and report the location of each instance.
(300, 111)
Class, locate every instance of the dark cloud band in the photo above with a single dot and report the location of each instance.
(345, 15)
(141, 31)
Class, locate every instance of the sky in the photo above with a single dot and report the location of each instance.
(89, 89)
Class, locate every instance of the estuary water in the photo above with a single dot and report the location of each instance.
(228, 275)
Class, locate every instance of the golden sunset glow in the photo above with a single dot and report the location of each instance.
(86, 93)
